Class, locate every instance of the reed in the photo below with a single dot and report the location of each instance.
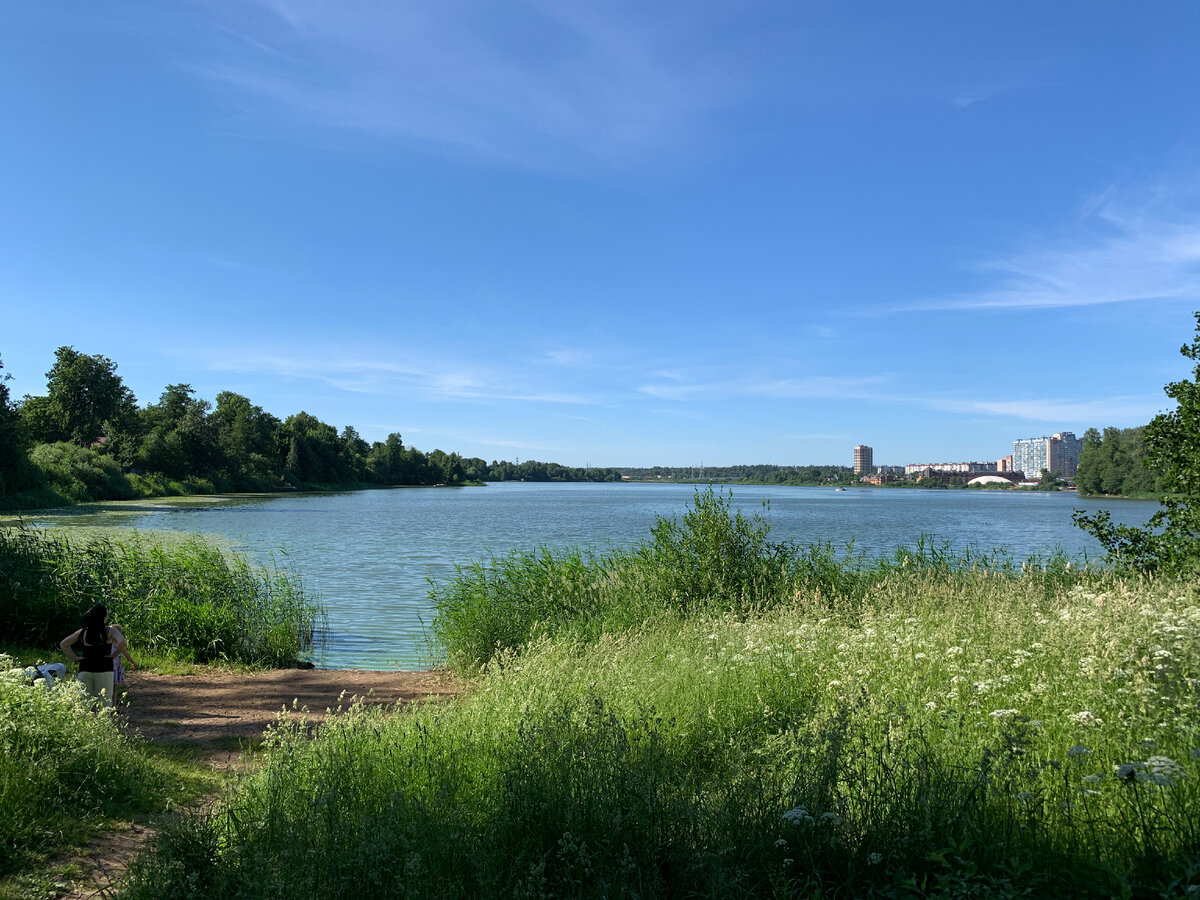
(710, 561)
(189, 600)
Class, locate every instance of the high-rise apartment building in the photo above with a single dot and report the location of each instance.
(864, 459)
(1058, 453)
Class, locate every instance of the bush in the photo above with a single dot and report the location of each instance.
(81, 473)
(62, 765)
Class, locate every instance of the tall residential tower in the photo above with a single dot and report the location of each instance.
(1058, 453)
(864, 459)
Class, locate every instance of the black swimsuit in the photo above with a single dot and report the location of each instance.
(95, 657)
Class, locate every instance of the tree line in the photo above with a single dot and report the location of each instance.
(1114, 463)
(762, 473)
(87, 438)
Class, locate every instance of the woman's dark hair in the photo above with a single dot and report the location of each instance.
(94, 630)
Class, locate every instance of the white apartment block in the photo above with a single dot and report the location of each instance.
(1057, 453)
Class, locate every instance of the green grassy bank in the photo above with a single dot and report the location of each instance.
(748, 719)
(68, 771)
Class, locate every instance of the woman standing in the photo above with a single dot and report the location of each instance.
(100, 645)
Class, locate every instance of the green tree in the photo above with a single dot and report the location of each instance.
(1115, 463)
(180, 440)
(447, 468)
(385, 461)
(1169, 543)
(314, 450)
(247, 438)
(83, 393)
(1088, 476)
(39, 420)
(14, 467)
(1048, 481)
(354, 452)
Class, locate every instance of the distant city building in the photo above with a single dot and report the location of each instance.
(1005, 464)
(863, 459)
(1057, 453)
(889, 470)
(949, 468)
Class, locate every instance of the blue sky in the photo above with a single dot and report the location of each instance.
(616, 233)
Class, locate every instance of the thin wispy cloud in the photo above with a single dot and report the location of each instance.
(224, 262)
(418, 379)
(528, 82)
(815, 387)
(1131, 247)
(1054, 410)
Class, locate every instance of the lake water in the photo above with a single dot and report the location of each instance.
(369, 555)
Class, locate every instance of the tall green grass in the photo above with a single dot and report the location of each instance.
(714, 714)
(190, 600)
(64, 767)
(975, 736)
(712, 560)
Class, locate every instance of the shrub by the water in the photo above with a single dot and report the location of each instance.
(192, 601)
(78, 474)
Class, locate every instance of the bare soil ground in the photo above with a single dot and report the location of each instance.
(220, 716)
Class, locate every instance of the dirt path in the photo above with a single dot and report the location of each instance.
(220, 714)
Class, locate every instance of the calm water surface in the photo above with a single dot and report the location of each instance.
(369, 555)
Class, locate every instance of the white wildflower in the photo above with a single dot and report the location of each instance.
(797, 815)
(1166, 767)
(1128, 771)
